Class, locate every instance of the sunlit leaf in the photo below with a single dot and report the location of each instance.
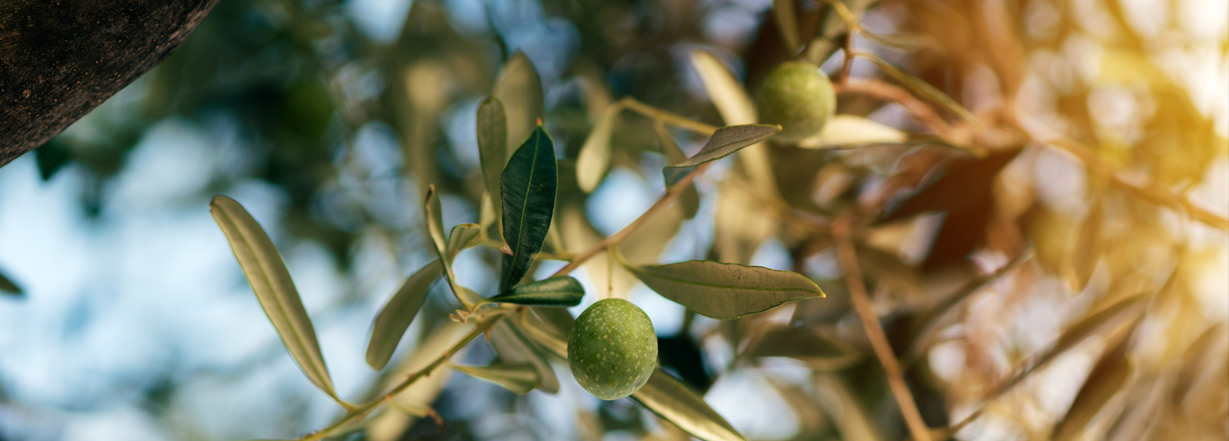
(805, 345)
(1086, 252)
(7, 286)
(921, 87)
(492, 131)
(513, 347)
(396, 315)
(787, 21)
(672, 400)
(519, 88)
(843, 130)
(725, 290)
(461, 237)
(435, 230)
(555, 291)
(728, 140)
(594, 158)
(689, 199)
(1104, 381)
(271, 282)
(516, 377)
(528, 188)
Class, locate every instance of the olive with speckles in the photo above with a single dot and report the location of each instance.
(799, 97)
(612, 349)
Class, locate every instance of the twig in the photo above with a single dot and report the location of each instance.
(1148, 191)
(870, 322)
(361, 411)
(664, 201)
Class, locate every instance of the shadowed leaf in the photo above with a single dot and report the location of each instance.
(461, 237)
(1104, 381)
(528, 187)
(519, 89)
(516, 377)
(689, 199)
(271, 282)
(396, 315)
(556, 291)
(787, 21)
(435, 230)
(8, 286)
(513, 347)
(805, 345)
(670, 399)
(724, 290)
(727, 140)
(492, 131)
(921, 87)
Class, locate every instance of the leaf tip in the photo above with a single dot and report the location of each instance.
(539, 121)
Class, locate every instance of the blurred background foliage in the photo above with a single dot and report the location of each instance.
(1031, 293)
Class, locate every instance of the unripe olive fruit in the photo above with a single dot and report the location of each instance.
(612, 349)
(799, 97)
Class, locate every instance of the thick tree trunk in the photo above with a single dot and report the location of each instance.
(59, 59)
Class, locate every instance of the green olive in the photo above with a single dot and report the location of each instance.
(612, 349)
(799, 97)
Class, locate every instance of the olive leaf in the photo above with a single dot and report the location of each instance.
(594, 157)
(519, 89)
(852, 130)
(527, 187)
(271, 282)
(735, 107)
(555, 291)
(461, 237)
(516, 377)
(7, 286)
(492, 128)
(725, 290)
(675, 402)
(724, 142)
(1104, 381)
(435, 229)
(922, 88)
(513, 347)
(396, 315)
(787, 22)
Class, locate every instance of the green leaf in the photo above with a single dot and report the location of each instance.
(556, 291)
(787, 22)
(594, 158)
(528, 189)
(513, 347)
(673, 401)
(271, 282)
(921, 87)
(725, 290)
(724, 142)
(805, 345)
(396, 315)
(461, 237)
(519, 88)
(435, 229)
(690, 198)
(492, 128)
(7, 286)
(845, 130)
(517, 377)
(727, 94)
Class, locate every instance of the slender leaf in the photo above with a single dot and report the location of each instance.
(519, 88)
(435, 229)
(594, 158)
(725, 290)
(513, 347)
(673, 401)
(728, 140)
(787, 22)
(396, 315)
(461, 237)
(517, 377)
(690, 198)
(528, 189)
(804, 345)
(271, 282)
(8, 286)
(842, 130)
(492, 128)
(555, 291)
(736, 108)
(922, 88)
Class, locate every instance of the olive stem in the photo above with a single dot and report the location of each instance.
(874, 332)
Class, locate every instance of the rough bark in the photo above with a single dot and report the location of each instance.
(61, 59)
